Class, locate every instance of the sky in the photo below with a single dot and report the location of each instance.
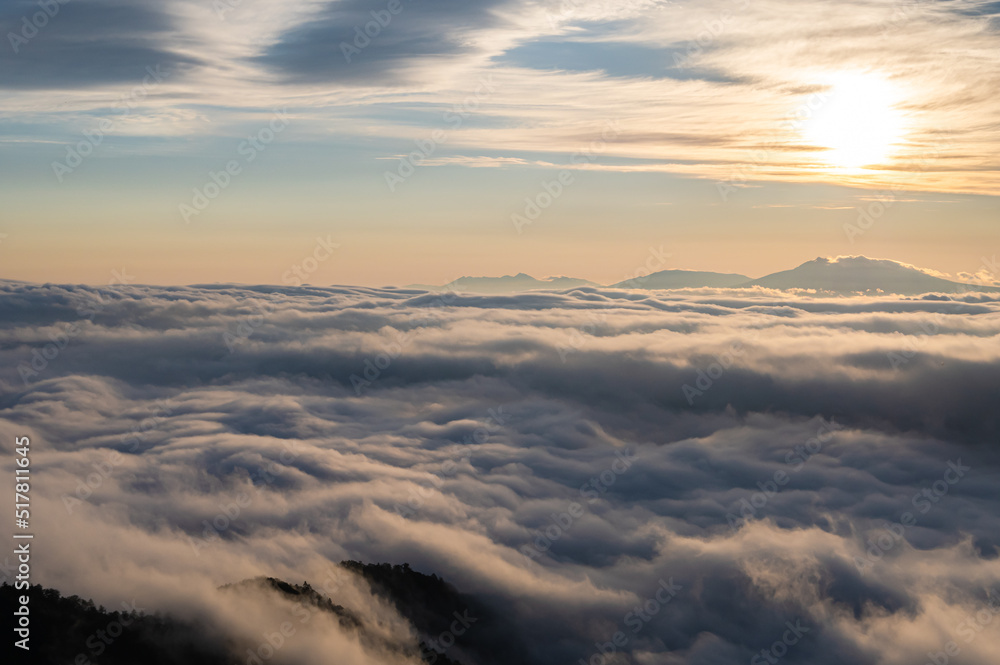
(181, 142)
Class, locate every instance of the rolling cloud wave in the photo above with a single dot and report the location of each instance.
(667, 477)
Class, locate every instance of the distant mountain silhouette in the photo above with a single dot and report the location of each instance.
(844, 275)
(683, 279)
(861, 275)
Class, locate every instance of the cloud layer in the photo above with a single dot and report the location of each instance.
(569, 457)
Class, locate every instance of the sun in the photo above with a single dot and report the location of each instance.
(857, 120)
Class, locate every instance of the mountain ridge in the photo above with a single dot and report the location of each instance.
(841, 275)
(846, 275)
(427, 602)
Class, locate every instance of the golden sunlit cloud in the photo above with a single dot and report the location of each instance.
(858, 121)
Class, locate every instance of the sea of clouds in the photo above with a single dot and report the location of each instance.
(682, 478)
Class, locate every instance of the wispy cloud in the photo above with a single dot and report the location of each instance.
(769, 58)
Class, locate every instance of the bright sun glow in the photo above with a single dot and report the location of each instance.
(857, 120)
